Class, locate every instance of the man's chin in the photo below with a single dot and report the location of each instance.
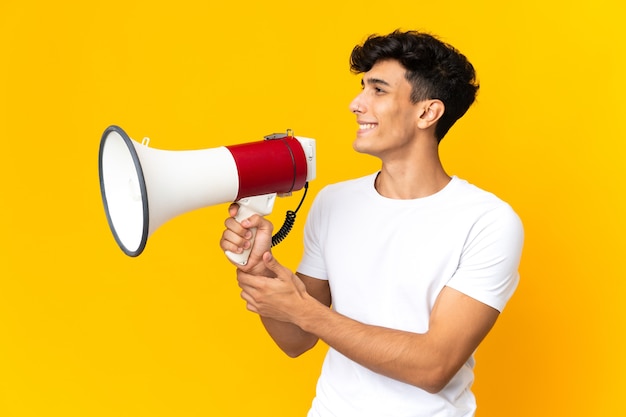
(361, 147)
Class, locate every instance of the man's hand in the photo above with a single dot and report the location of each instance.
(237, 237)
(279, 294)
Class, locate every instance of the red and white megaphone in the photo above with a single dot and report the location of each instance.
(143, 187)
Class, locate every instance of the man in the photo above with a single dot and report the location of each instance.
(417, 265)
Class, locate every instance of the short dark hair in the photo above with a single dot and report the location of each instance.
(435, 69)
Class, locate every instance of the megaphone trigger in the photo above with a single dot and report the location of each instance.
(262, 205)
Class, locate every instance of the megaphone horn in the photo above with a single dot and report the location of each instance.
(144, 187)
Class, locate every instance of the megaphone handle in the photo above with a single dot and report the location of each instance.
(262, 205)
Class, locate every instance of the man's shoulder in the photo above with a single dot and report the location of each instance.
(471, 192)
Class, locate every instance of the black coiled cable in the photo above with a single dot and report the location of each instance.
(290, 219)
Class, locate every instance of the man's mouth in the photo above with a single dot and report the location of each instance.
(367, 126)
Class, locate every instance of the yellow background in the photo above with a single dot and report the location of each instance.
(87, 331)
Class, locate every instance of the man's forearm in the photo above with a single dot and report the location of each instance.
(427, 360)
(399, 355)
(290, 338)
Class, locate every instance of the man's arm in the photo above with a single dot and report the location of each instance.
(458, 324)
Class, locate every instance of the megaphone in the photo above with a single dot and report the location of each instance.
(144, 187)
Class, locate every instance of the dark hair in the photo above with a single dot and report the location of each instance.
(435, 69)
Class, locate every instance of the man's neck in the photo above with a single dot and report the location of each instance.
(412, 176)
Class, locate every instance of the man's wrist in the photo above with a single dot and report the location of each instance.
(310, 317)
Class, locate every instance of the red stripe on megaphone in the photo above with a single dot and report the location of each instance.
(269, 166)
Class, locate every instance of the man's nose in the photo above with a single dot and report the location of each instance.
(356, 106)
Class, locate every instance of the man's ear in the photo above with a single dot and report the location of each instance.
(431, 111)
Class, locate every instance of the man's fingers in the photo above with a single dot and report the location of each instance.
(233, 209)
(238, 228)
(232, 242)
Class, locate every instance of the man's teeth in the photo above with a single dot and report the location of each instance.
(367, 126)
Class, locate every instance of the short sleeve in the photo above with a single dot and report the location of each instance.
(312, 263)
(488, 268)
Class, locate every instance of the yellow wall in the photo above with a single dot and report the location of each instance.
(87, 331)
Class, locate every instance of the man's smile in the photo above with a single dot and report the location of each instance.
(367, 126)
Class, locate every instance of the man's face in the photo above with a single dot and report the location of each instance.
(386, 116)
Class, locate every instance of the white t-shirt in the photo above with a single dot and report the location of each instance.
(386, 261)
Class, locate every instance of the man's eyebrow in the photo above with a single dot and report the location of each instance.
(375, 81)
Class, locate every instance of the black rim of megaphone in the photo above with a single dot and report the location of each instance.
(142, 187)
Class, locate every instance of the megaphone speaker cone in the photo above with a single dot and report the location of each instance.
(123, 189)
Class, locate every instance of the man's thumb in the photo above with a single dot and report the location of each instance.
(270, 262)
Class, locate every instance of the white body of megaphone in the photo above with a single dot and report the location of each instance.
(144, 187)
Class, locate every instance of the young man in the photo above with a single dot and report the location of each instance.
(417, 265)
